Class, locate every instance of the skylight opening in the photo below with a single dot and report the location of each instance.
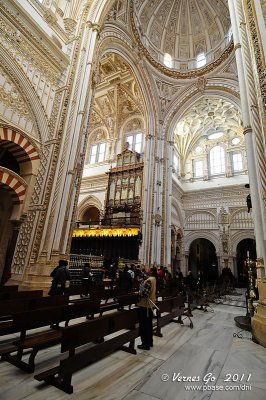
(168, 61)
(215, 135)
(201, 60)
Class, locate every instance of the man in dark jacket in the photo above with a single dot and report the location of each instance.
(60, 275)
(86, 278)
(125, 280)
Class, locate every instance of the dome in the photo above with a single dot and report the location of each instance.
(183, 34)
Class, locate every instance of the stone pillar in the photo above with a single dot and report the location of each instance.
(145, 252)
(158, 199)
(167, 201)
(242, 12)
(251, 143)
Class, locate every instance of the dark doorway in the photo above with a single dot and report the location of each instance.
(243, 247)
(91, 216)
(202, 257)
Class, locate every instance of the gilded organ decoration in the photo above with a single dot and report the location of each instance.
(123, 199)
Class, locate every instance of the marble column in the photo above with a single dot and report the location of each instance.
(255, 151)
(145, 251)
(167, 182)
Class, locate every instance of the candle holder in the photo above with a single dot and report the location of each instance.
(244, 322)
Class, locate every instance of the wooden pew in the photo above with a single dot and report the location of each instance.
(10, 307)
(173, 307)
(127, 300)
(103, 294)
(26, 321)
(11, 288)
(24, 294)
(76, 336)
(120, 302)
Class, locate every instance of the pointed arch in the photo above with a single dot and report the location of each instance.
(190, 237)
(14, 183)
(28, 92)
(90, 201)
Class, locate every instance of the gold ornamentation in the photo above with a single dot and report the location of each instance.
(109, 232)
(201, 83)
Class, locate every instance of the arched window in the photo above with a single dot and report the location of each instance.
(97, 153)
(229, 35)
(237, 162)
(167, 60)
(198, 168)
(175, 162)
(217, 160)
(201, 60)
(135, 141)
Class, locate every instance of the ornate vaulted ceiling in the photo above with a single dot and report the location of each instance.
(206, 116)
(117, 95)
(183, 28)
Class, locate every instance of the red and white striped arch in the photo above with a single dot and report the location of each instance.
(21, 148)
(14, 184)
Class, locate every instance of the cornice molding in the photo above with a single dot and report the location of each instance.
(57, 58)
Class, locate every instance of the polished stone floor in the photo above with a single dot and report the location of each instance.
(222, 366)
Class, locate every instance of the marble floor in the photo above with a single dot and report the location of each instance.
(206, 362)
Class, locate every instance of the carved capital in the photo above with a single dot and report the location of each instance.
(157, 219)
(49, 17)
(70, 25)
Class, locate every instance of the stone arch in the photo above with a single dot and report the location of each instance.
(190, 237)
(21, 147)
(130, 119)
(208, 218)
(238, 237)
(28, 92)
(93, 134)
(98, 10)
(238, 223)
(115, 43)
(181, 105)
(17, 187)
(176, 208)
(90, 201)
(119, 47)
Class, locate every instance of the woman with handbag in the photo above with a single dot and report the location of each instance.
(147, 302)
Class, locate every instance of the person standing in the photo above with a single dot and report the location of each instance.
(60, 275)
(86, 278)
(125, 280)
(146, 303)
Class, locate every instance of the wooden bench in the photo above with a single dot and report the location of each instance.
(126, 300)
(12, 295)
(26, 321)
(8, 289)
(10, 307)
(103, 294)
(173, 307)
(78, 335)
